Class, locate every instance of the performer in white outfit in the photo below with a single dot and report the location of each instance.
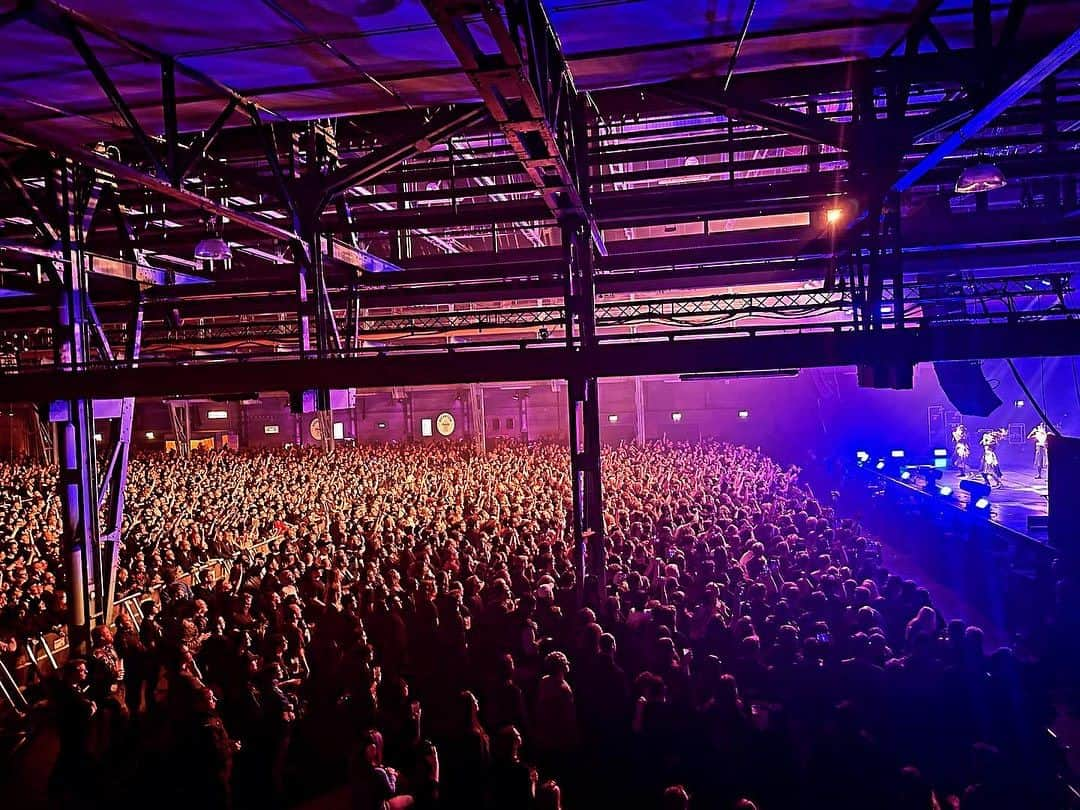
(961, 449)
(991, 469)
(1039, 434)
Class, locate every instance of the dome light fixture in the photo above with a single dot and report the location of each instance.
(212, 246)
(981, 177)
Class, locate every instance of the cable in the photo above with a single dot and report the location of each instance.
(1016, 373)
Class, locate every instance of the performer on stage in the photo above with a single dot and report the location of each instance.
(961, 449)
(991, 469)
(1039, 434)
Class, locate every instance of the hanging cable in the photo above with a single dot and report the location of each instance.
(1016, 373)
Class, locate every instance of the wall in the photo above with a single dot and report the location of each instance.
(818, 412)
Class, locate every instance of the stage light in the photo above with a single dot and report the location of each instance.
(978, 493)
(880, 465)
(97, 437)
(833, 216)
(941, 452)
(150, 435)
(1019, 403)
(862, 456)
(744, 414)
(944, 491)
(213, 247)
(382, 425)
(983, 177)
(896, 453)
(886, 309)
(676, 416)
(613, 418)
(941, 463)
(905, 475)
(929, 475)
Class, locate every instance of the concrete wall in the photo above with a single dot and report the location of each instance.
(819, 411)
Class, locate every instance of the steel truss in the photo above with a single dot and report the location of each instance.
(92, 507)
(920, 297)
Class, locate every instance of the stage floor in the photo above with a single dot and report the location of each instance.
(1020, 496)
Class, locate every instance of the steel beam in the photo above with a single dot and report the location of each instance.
(113, 94)
(1029, 81)
(587, 520)
(529, 91)
(829, 346)
(803, 126)
(359, 172)
(17, 135)
(77, 480)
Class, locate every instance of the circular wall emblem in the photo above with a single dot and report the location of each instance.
(445, 423)
(315, 429)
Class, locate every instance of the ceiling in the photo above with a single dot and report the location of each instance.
(688, 196)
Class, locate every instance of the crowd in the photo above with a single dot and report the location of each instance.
(405, 623)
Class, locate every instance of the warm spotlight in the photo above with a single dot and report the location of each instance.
(834, 216)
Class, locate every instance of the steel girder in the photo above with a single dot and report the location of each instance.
(583, 401)
(743, 350)
(530, 92)
(1028, 81)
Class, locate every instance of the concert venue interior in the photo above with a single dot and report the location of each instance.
(511, 404)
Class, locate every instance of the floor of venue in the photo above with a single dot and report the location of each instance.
(1021, 497)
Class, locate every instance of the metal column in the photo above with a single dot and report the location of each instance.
(478, 417)
(639, 411)
(584, 407)
(180, 416)
(523, 415)
(77, 480)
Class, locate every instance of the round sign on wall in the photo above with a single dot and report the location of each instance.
(315, 429)
(445, 423)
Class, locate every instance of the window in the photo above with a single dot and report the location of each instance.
(495, 423)
(339, 430)
(217, 414)
(427, 427)
(270, 430)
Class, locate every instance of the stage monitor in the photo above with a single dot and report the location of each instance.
(1063, 481)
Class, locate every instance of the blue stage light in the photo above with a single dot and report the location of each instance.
(982, 503)
(744, 414)
(905, 475)
(881, 465)
(1019, 403)
(945, 492)
(862, 456)
(941, 452)
(896, 453)
(941, 463)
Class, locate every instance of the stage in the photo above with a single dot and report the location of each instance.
(1020, 496)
